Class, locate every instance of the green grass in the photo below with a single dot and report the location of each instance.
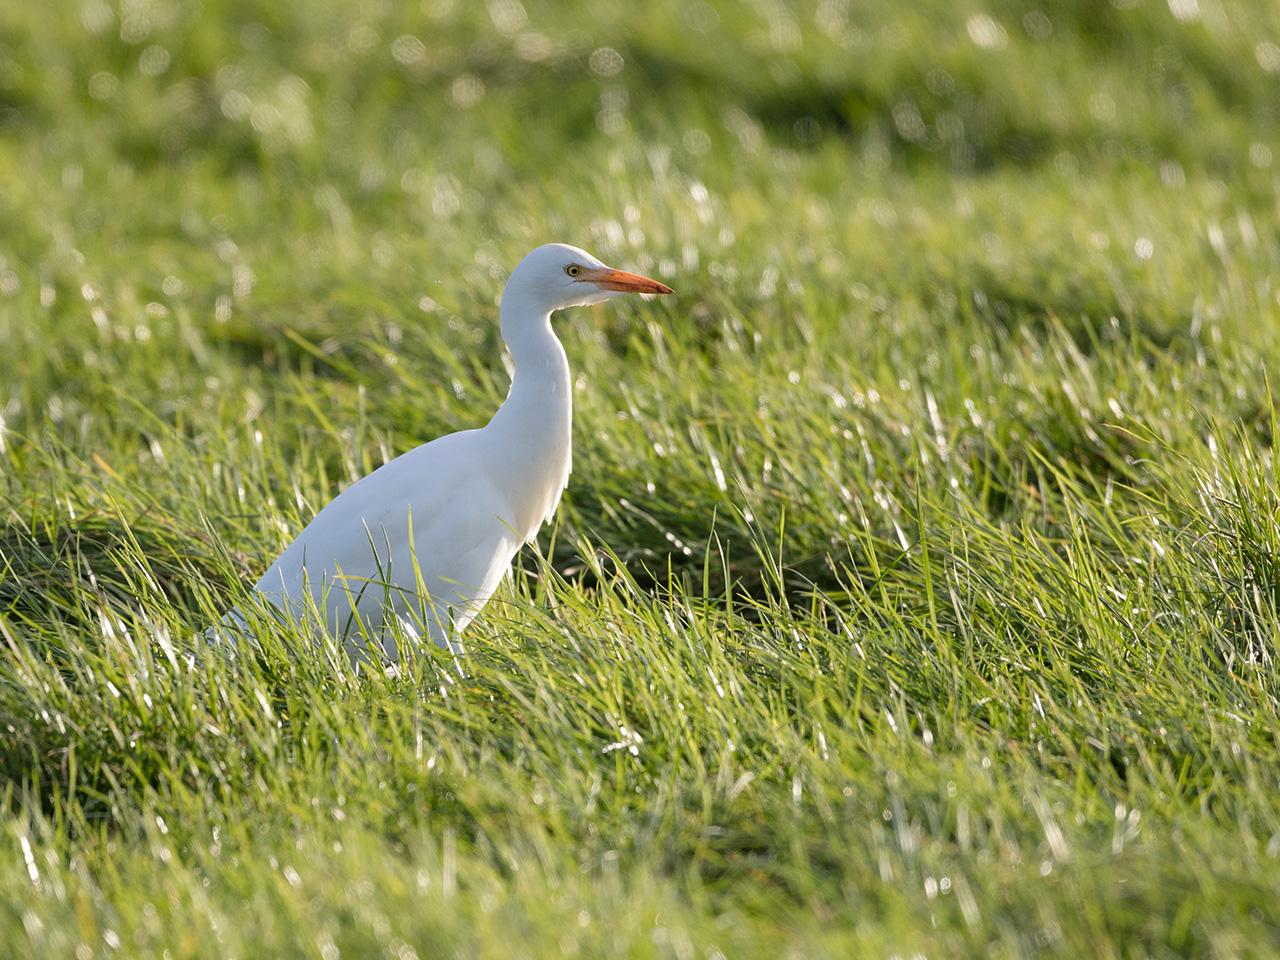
(917, 589)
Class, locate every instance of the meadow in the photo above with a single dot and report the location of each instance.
(917, 587)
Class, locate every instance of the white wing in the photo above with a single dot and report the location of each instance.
(425, 538)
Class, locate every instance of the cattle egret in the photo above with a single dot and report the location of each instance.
(424, 540)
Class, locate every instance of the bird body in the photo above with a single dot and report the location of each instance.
(425, 539)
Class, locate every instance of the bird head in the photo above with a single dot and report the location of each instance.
(556, 275)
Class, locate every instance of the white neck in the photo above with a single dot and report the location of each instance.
(540, 387)
(533, 429)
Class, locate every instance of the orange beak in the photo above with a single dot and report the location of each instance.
(611, 279)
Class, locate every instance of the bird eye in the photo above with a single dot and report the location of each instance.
(573, 269)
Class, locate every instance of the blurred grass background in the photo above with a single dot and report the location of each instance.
(916, 589)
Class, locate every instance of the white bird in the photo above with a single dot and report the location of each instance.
(425, 540)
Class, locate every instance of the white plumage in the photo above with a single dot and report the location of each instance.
(426, 539)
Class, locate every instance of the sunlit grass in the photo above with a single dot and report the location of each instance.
(916, 587)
